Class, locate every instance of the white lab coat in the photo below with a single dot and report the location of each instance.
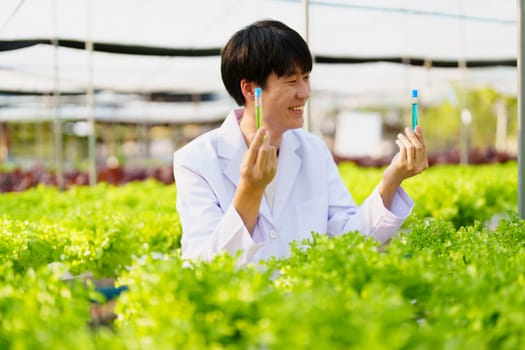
(309, 196)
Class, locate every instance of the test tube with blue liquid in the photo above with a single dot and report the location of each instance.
(414, 109)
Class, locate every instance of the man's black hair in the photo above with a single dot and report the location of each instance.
(259, 49)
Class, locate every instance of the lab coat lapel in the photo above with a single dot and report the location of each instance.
(288, 168)
(231, 148)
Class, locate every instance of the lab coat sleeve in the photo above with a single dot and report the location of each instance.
(371, 218)
(207, 228)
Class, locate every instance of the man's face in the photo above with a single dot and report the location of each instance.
(284, 99)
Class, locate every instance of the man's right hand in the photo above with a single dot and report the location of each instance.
(259, 164)
(258, 168)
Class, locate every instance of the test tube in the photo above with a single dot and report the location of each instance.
(258, 107)
(414, 109)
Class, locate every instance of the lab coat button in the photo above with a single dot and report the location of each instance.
(273, 234)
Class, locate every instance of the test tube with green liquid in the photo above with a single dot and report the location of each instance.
(258, 107)
(414, 109)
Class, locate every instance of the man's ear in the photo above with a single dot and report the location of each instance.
(248, 89)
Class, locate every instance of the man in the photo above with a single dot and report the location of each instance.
(255, 191)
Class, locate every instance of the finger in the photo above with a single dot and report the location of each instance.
(266, 139)
(412, 136)
(419, 131)
(255, 145)
(266, 150)
(409, 149)
(419, 134)
(402, 152)
(260, 164)
(263, 152)
(268, 159)
(419, 145)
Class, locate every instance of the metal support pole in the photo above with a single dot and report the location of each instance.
(465, 115)
(90, 101)
(308, 119)
(521, 109)
(59, 153)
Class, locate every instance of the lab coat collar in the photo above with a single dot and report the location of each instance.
(231, 147)
(287, 170)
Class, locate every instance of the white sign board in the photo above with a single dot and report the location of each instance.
(358, 134)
